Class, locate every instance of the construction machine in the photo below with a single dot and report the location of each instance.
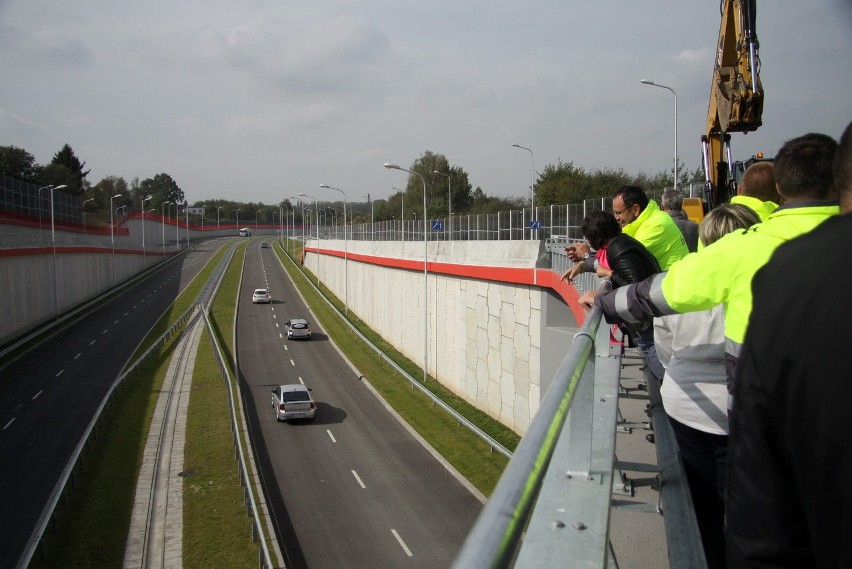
(736, 97)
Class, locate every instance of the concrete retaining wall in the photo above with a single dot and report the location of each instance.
(495, 335)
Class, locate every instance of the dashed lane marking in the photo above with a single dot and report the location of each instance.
(358, 478)
(402, 543)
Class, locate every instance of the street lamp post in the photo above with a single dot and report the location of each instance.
(218, 209)
(238, 219)
(345, 249)
(652, 84)
(163, 220)
(532, 185)
(84, 213)
(53, 240)
(449, 201)
(425, 274)
(316, 209)
(112, 236)
(40, 208)
(257, 211)
(186, 221)
(143, 224)
(177, 225)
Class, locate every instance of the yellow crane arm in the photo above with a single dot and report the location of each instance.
(736, 95)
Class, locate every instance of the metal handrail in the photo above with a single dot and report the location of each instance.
(492, 541)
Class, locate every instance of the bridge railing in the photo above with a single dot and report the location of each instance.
(554, 500)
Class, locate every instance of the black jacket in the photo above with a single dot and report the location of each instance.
(629, 260)
(789, 502)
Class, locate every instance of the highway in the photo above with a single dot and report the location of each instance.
(353, 488)
(49, 394)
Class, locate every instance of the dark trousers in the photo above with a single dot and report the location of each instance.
(705, 458)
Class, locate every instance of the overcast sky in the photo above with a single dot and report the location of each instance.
(256, 100)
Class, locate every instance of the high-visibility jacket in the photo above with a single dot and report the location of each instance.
(656, 230)
(761, 208)
(718, 274)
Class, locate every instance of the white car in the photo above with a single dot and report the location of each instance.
(293, 401)
(261, 295)
(298, 328)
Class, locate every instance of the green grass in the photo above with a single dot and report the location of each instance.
(217, 529)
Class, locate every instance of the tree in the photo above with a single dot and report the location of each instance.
(436, 186)
(105, 189)
(162, 188)
(67, 158)
(19, 164)
(57, 175)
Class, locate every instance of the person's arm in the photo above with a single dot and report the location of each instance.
(577, 251)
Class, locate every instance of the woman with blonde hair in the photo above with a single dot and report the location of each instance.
(691, 347)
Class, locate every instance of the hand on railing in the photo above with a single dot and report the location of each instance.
(587, 300)
(569, 275)
(577, 251)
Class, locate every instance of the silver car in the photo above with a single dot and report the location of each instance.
(298, 328)
(293, 401)
(261, 295)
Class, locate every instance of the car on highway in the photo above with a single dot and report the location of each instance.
(298, 328)
(245, 232)
(264, 245)
(293, 401)
(261, 295)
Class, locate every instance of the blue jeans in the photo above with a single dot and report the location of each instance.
(645, 343)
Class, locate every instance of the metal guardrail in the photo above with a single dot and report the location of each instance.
(497, 532)
(257, 528)
(554, 499)
(493, 443)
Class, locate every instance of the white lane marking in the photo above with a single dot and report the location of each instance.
(126, 313)
(402, 543)
(105, 331)
(92, 343)
(331, 436)
(116, 322)
(6, 426)
(275, 317)
(277, 326)
(292, 363)
(78, 356)
(280, 335)
(358, 478)
(60, 373)
(302, 381)
(36, 395)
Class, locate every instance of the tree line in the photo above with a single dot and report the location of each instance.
(446, 185)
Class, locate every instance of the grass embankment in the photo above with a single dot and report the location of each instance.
(91, 530)
(465, 451)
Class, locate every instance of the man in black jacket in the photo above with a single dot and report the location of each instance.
(789, 502)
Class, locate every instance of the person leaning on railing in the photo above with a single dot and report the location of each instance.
(643, 220)
(722, 273)
(623, 260)
(691, 347)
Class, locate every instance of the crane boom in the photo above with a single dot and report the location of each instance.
(736, 95)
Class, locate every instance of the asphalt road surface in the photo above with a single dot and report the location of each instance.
(353, 488)
(49, 395)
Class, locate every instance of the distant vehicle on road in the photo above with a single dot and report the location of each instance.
(293, 401)
(261, 295)
(245, 232)
(298, 328)
(264, 245)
